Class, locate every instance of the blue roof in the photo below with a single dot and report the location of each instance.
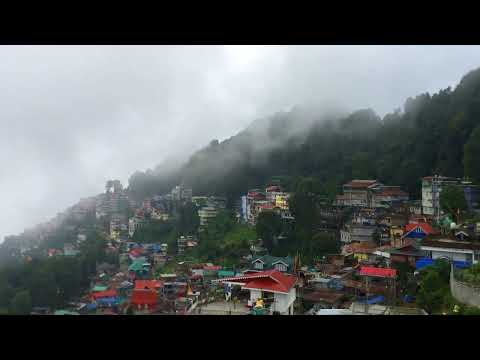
(374, 300)
(108, 301)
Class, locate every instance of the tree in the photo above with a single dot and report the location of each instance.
(21, 303)
(470, 157)
(434, 290)
(268, 227)
(452, 200)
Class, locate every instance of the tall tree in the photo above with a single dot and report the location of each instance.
(268, 227)
(452, 200)
(21, 303)
(471, 153)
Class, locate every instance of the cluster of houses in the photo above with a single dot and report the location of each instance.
(271, 198)
(404, 231)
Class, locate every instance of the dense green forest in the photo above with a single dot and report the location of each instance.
(433, 134)
(51, 282)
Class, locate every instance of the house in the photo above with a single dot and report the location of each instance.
(357, 193)
(262, 285)
(104, 294)
(432, 187)
(357, 233)
(323, 298)
(387, 196)
(452, 249)
(268, 262)
(409, 254)
(148, 284)
(145, 299)
(418, 230)
(415, 207)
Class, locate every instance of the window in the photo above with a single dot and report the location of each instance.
(258, 265)
(280, 267)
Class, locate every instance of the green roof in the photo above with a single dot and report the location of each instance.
(65, 312)
(100, 288)
(226, 273)
(136, 266)
(269, 260)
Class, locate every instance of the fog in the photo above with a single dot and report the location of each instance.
(73, 117)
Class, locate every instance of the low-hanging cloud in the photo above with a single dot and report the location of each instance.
(74, 116)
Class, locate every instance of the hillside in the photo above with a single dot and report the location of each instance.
(428, 136)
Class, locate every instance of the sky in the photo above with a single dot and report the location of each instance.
(72, 117)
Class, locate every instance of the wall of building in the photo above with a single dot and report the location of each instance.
(284, 301)
(463, 292)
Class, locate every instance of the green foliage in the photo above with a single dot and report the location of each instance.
(224, 240)
(189, 220)
(268, 227)
(21, 303)
(471, 275)
(434, 291)
(154, 231)
(452, 200)
(471, 151)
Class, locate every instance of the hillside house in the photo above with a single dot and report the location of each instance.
(268, 262)
(276, 288)
(452, 249)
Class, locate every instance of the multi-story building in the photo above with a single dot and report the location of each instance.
(180, 192)
(432, 187)
(133, 224)
(387, 195)
(206, 214)
(358, 193)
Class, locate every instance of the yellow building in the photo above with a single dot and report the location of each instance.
(281, 201)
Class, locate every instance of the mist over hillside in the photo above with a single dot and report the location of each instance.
(427, 136)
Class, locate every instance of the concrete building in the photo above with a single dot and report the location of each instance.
(452, 249)
(206, 214)
(432, 187)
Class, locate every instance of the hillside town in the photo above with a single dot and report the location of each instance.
(386, 243)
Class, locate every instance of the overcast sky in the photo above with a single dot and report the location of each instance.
(73, 117)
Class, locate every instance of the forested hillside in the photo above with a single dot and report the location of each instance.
(432, 134)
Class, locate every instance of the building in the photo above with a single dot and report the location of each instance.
(370, 193)
(432, 187)
(181, 192)
(385, 196)
(415, 207)
(206, 214)
(357, 233)
(263, 285)
(357, 193)
(268, 262)
(453, 249)
(418, 230)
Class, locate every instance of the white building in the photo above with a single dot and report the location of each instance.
(262, 285)
(452, 249)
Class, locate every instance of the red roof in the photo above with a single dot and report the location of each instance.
(273, 188)
(271, 280)
(256, 195)
(380, 272)
(360, 183)
(102, 294)
(392, 192)
(137, 252)
(148, 284)
(266, 206)
(212, 268)
(426, 227)
(144, 297)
